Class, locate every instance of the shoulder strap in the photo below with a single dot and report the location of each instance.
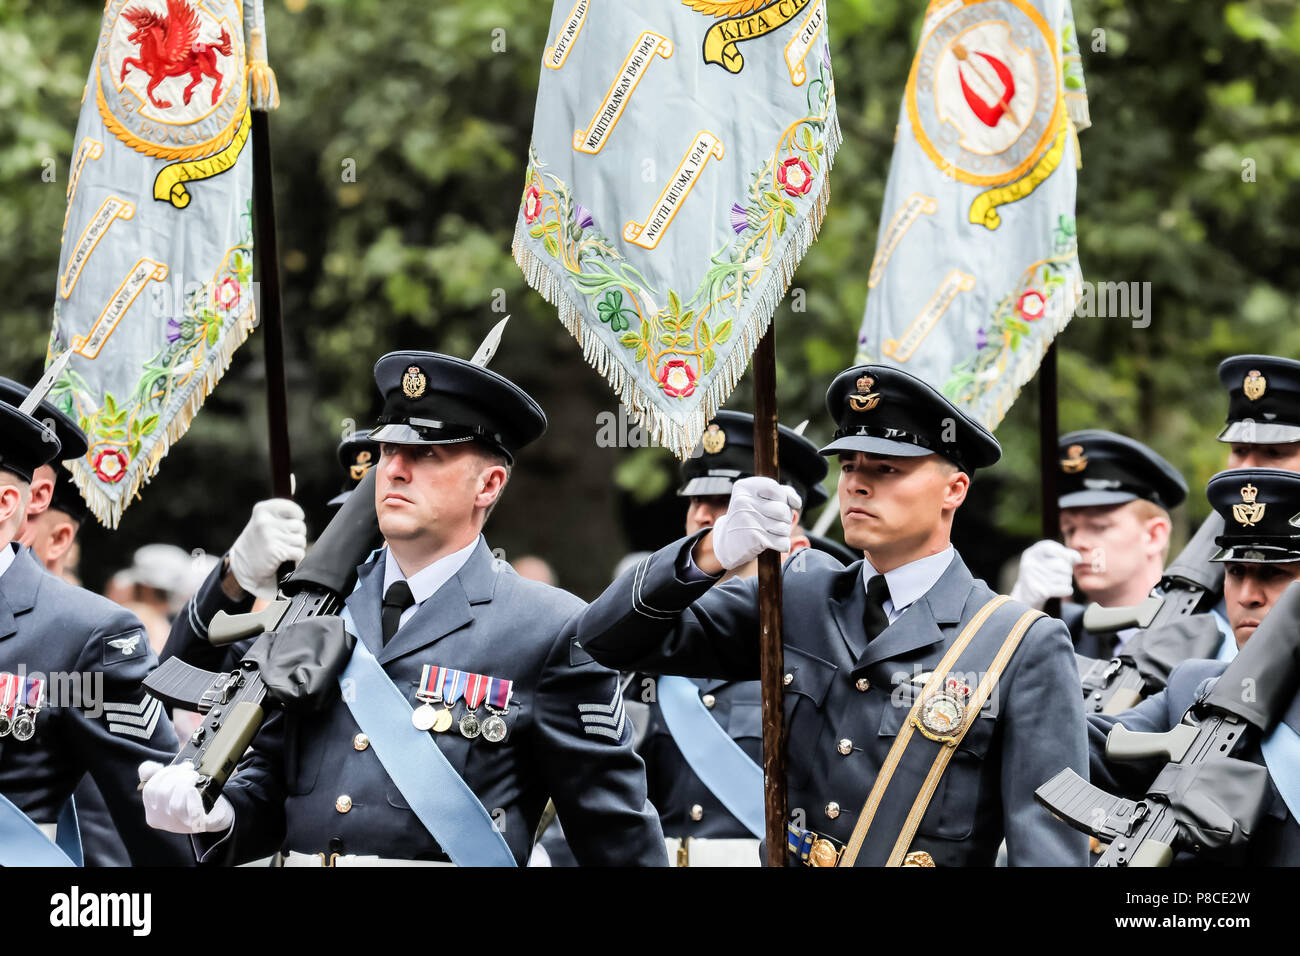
(717, 760)
(925, 756)
(436, 793)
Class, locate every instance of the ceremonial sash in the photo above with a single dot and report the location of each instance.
(1281, 748)
(436, 793)
(915, 764)
(717, 760)
(23, 843)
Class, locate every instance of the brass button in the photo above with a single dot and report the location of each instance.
(709, 700)
(863, 684)
(832, 809)
(845, 746)
(697, 812)
(360, 742)
(788, 679)
(343, 804)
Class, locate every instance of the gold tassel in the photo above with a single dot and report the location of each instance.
(264, 95)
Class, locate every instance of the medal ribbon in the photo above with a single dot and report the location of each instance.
(476, 691)
(453, 685)
(8, 693)
(499, 690)
(430, 678)
(32, 692)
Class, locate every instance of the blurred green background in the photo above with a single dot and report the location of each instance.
(1191, 181)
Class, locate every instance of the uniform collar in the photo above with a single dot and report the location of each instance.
(7, 554)
(908, 582)
(425, 582)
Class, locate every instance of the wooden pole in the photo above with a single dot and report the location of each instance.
(268, 270)
(1047, 455)
(771, 656)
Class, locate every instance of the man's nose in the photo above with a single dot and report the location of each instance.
(397, 466)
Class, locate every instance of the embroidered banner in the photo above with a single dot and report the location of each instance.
(154, 290)
(677, 174)
(976, 267)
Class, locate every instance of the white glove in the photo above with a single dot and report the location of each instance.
(172, 803)
(276, 533)
(758, 519)
(1046, 571)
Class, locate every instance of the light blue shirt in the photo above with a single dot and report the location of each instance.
(425, 582)
(1228, 648)
(909, 582)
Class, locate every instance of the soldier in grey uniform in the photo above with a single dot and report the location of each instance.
(1115, 496)
(1260, 549)
(492, 704)
(700, 826)
(922, 709)
(71, 700)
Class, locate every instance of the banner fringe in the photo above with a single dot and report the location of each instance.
(681, 437)
(108, 510)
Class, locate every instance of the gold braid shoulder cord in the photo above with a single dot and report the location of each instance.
(913, 722)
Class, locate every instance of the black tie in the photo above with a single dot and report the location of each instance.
(397, 600)
(874, 619)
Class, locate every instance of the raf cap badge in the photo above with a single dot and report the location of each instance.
(413, 382)
(714, 439)
(361, 465)
(1075, 460)
(1249, 512)
(1254, 384)
(865, 400)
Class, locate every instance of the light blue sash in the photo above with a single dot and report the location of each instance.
(1282, 757)
(716, 759)
(22, 843)
(434, 790)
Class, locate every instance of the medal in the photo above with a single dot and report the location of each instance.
(426, 716)
(498, 702)
(25, 725)
(476, 689)
(24, 721)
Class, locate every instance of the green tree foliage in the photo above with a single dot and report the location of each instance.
(399, 153)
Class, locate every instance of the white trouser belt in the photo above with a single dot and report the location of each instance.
(705, 852)
(294, 858)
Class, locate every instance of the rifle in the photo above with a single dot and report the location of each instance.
(1203, 798)
(1109, 687)
(1191, 584)
(1142, 667)
(301, 647)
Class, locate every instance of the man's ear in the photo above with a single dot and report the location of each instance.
(11, 499)
(958, 484)
(61, 541)
(492, 481)
(1157, 534)
(42, 493)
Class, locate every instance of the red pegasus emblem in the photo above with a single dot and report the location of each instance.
(990, 114)
(169, 46)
